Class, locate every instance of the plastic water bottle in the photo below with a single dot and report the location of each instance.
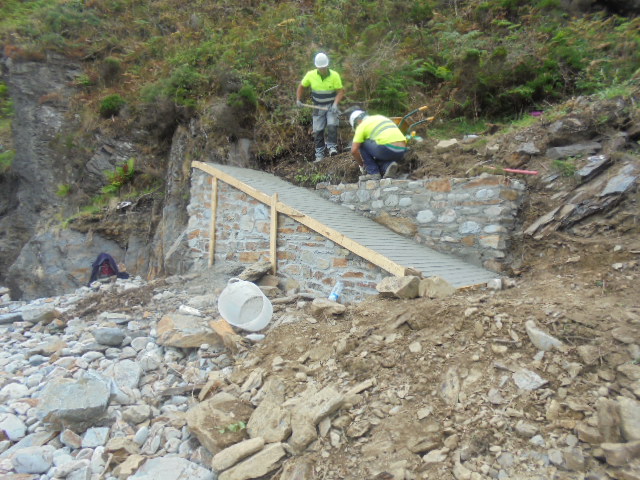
(336, 292)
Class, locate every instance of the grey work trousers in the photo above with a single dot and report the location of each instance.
(325, 124)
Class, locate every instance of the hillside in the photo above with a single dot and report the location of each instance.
(463, 386)
(105, 104)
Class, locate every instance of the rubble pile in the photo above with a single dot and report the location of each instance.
(129, 379)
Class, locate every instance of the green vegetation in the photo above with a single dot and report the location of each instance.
(63, 190)
(456, 127)
(110, 70)
(111, 105)
(311, 179)
(615, 91)
(473, 60)
(567, 168)
(233, 427)
(6, 160)
(119, 177)
(245, 98)
(6, 106)
(84, 80)
(6, 113)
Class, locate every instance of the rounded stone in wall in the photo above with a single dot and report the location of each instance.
(425, 216)
(486, 194)
(469, 227)
(261, 212)
(494, 210)
(494, 229)
(391, 201)
(363, 195)
(448, 216)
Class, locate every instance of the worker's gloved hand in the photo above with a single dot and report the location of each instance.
(363, 171)
(299, 103)
(334, 109)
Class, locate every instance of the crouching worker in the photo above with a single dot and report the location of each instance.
(378, 144)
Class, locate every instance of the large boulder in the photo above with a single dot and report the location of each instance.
(185, 331)
(270, 420)
(57, 263)
(171, 468)
(66, 402)
(219, 421)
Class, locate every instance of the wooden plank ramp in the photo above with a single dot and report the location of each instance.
(364, 237)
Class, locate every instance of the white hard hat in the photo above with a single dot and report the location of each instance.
(321, 60)
(354, 116)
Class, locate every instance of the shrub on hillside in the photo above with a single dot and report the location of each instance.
(110, 70)
(111, 105)
(246, 97)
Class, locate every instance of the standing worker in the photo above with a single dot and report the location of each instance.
(378, 144)
(327, 93)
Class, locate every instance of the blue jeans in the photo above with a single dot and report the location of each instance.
(377, 158)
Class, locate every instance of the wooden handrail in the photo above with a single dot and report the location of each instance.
(280, 207)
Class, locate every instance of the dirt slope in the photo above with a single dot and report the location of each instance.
(443, 401)
(455, 388)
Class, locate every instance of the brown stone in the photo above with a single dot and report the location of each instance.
(247, 257)
(435, 287)
(443, 185)
(517, 159)
(298, 469)
(185, 331)
(487, 181)
(422, 445)
(312, 408)
(620, 454)
(210, 421)
(324, 307)
(400, 287)
(353, 275)
(589, 354)
(609, 420)
(232, 455)
(401, 225)
(492, 241)
(588, 434)
(493, 265)
(270, 420)
(127, 468)
(122, 448)
(340, 262)
(508, 194)
(469, 240)
(258, 465)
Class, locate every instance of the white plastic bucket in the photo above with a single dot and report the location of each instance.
(243, 305)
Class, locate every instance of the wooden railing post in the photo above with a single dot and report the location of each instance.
(212, 226)
(273, 243)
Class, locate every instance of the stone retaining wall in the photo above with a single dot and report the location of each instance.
(305, 258)
(471, 218)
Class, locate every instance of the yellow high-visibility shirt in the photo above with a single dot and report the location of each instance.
(378, 128)
(323, 90)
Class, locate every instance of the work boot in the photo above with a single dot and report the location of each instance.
(319, 158)
(392, 170)
(333, 151)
